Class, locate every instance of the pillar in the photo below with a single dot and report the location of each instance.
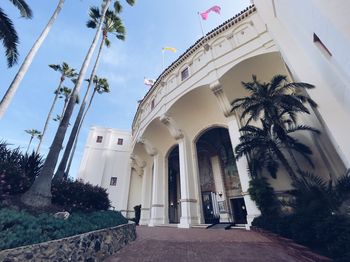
(189, 203)
(242, 164)
(146, 196)
(244, 177)
(188, 199)
(158, 199)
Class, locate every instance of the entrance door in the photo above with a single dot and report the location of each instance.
(210, 216)
(239, 210)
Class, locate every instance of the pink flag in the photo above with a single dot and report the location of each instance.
(215, 9)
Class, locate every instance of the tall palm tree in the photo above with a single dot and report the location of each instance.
(274, 100)
(8, 33)
(111, 25)
(266, 149)
(33, 133)
(65, 72)
(278, 102)
(6, 100)
(66, 93)
(101, 86)
(39, 194)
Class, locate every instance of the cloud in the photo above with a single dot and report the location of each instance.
(114, 56)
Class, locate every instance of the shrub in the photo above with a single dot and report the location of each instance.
(264, 196)
(79, 196)
(17, 170)
(328, 235)
(18, 228)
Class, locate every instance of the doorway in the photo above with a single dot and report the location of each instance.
(210, 211)
(174, 193)
(239, 210)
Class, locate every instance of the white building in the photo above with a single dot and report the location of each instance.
(178, 162)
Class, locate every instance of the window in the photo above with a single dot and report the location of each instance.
(152, 104)
(184, 74)
(321, 45)
(99, 139)
(120, 141)
(113, 181)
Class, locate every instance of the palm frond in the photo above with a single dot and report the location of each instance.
(9, 38)
(276, 82)
(302, 128)
(23, 7)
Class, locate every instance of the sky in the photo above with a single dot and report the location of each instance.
(150, 25)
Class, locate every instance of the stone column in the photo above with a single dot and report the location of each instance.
(188, 199)
(146, 196)
(157, 207)
(244, 177)
(233, 127)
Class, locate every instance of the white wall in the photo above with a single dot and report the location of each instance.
(292, 25)
(101, 161)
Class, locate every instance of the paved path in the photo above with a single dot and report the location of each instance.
(172, 244)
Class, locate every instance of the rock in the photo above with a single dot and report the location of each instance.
(62, 215)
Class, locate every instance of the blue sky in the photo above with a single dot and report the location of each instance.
(150, 25)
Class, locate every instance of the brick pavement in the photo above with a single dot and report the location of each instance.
(172, 244)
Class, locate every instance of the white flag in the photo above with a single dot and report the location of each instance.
(148, 82)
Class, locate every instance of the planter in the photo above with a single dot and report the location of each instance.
(90, 247)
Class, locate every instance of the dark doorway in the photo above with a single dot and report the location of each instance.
(239, 210)
(210, 216)
(218, 176)
(174, 186)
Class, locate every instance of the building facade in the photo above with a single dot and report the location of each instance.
(178, 162)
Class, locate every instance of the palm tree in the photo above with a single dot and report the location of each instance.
(278, 102)
(274, 101)
(65, 72)
(66, 92)
(8, 34)
(111, 25)
(314, 194)
(265, 149)
(6, 100)
(33, 133)
(101, 86)
(39, 193)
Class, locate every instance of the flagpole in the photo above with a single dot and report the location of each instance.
(200, 22)
(162, 59)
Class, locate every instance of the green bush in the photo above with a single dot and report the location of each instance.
(79, 196)
(18, 228)
(328, 235)
(264, 196)
(17, 170)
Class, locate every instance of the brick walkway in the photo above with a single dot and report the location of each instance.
(172, 244)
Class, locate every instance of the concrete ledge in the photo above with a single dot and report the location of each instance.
(92, 246)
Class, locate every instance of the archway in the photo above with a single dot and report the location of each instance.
(174, 190)
(220, 188)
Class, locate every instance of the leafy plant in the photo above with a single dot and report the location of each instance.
(18, 228)
(76, 195)
(17, 170)
(264, 196)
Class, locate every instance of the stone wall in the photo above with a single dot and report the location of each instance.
(90, 247)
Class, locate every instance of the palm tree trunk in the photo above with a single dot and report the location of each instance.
(30, 142)
(49, 115)
(64, 107)
(60, 175)
(39, 194)
(66, 173)
(6, 100)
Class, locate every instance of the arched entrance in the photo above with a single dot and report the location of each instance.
(220, 188)
(174, 193)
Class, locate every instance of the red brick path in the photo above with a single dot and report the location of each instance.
(172, 244)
